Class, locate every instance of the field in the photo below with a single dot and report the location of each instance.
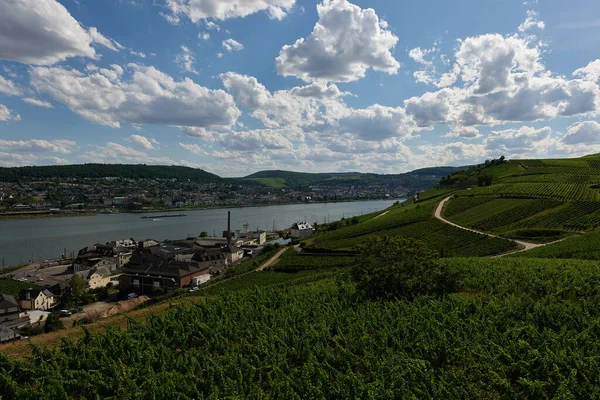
(584, 247)
(13, 287)
(520, 328)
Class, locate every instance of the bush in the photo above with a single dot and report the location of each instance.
(394, 267)
(53, 323)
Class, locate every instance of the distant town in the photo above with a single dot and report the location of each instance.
(57, 190)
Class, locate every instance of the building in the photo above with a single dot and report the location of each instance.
(301, 230)
(10, 319)
(233, 253)
(36, 299)
(100, 277)
(151, 274)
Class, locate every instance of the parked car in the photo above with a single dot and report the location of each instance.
(194, 289)
(65, 313)
(132, 296)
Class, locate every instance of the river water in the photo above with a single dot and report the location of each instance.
(22, 241)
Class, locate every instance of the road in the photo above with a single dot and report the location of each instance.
(523, 246)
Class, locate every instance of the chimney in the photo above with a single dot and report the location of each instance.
(229, 228)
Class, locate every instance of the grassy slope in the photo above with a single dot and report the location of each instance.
(13, 287)
(550, 197)
(520, 328)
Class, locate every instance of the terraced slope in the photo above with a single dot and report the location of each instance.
(538, 200)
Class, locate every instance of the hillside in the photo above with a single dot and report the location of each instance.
(414, 181)
(140, 171)
(519, 326)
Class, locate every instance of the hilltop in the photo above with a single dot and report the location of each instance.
(95, 171)
(417, 180)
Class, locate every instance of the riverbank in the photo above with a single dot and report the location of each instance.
(11, 217)
(89, 213)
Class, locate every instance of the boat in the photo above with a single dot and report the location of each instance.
(153, 217)
(107, 211)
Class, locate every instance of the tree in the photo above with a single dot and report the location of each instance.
(203, 234)
(394, 267)
(485, 180)
(76, 290)
(53, 323)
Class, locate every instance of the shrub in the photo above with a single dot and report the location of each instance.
(394, 267)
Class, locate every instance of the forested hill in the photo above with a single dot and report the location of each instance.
(415, 180)
(81, 171)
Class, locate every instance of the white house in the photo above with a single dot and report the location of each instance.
(301, 230)
(35, 299)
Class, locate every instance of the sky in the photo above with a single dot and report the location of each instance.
(238, 86)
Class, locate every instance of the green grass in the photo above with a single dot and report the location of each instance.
(485, 210)
(271, 182)
(13, 287)
(292, 261)
(457, 205)
(576, 216)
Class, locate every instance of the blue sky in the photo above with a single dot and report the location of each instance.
(237, 86)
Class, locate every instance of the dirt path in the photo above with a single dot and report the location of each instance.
(271, 260)
(382, 214)
(523, 246)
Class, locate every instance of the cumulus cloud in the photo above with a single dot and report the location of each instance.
(8, 115)
(194, 148)
(376, 123)
(344, 44)
(186, 60)
(116, 153)
(144, 95)
(39, 103)
(9, 87)
(587, 132)
(464, 132)
(590, 72)
(232, 45)
(42, 32)
(254, 140)
(197, 10)
(19, 160)
(143, 142)
(532, 22)
(35, 145)
(517, 141)
(300, 106)
(418, 54)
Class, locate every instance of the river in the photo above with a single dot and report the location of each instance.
(39, 239)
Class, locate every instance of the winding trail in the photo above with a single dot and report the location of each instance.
(523, 246)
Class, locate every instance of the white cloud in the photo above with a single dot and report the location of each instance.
(344, 44)
(143, 142)
(147, 96)
(9, 87)
(232, 45)
(518, 141)
(39, 103)
(319, 90)
(186, 60)
(116, 153)
(493, 62)
(194, 148)
(590, 72)
(419, 55)
(35, 145)
(7, 115)
(204, 36)
(464, 132)
(532, 22)
(376, 123)
(587, 132)
(254, 140)
(42, 32)
(197, 10)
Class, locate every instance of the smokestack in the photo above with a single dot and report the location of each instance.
(229, 228)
